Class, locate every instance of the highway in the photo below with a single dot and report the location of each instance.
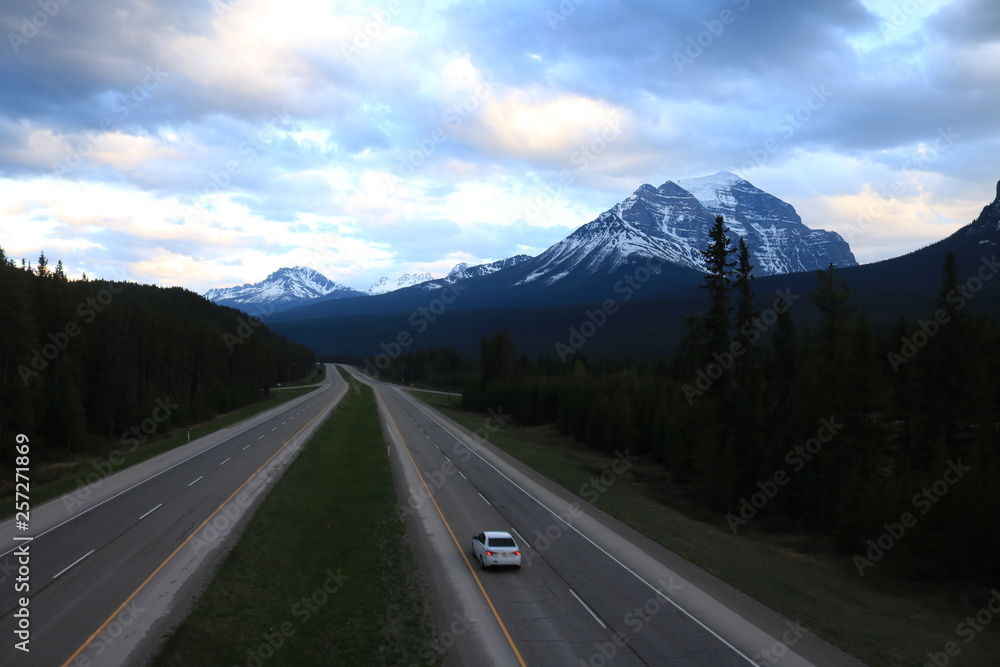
(590, 591)
(110, 566)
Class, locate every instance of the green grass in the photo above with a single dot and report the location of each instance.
(330, 519)
(881, 619)
(53, 479)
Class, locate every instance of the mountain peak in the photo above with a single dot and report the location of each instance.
(715, 190)
(671, 223)
(284, 288)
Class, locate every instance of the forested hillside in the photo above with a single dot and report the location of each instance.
(82, 360)
(886, 445)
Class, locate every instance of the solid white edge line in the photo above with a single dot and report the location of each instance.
(594, 544)
(138, 484)
(584, 604)
(76, 562)
(150, 511)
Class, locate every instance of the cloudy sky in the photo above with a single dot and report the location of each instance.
(207, 143)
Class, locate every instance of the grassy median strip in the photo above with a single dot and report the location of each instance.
(323, 574)
(879, 619)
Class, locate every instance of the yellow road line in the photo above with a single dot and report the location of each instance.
(479, 583)
(188, 539)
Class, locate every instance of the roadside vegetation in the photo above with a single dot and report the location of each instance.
(85, 362)
(883, 618)
(51, 480)
(323, 573)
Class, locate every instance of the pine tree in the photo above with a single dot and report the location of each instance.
(718, 282)
(745, 312)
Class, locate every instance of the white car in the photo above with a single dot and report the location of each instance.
(495, 547)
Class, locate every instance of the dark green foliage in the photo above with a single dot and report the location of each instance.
(861, 424)
(87, 361)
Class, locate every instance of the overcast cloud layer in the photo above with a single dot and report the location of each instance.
(207, 143)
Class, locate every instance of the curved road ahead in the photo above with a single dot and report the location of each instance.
(109, 563)
(591, 591)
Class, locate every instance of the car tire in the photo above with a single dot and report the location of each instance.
(482, 563)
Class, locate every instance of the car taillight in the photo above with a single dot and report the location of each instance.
(489, 553)
(517, 553)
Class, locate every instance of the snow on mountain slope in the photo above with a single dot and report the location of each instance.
(283, 289)
(671, 223)
(383, 284)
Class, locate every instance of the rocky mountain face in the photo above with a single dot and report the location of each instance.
(671, 223)
(384, 284)
(285, 288)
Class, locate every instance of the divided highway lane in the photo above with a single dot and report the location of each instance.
(585, 594)
(105, 571)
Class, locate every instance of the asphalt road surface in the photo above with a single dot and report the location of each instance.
(591, 591)
(109, 566)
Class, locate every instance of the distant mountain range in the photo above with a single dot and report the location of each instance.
(384, 284)
(283, 289)
(669, 224)
(641, 256)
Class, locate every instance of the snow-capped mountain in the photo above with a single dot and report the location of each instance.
(283, 289)
(383, 284)
(463, 271)
(671, 223)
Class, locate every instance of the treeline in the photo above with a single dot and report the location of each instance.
(437, 368)
(83, 361)
(886, 444)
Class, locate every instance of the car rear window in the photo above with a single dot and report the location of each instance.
(502, 542)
